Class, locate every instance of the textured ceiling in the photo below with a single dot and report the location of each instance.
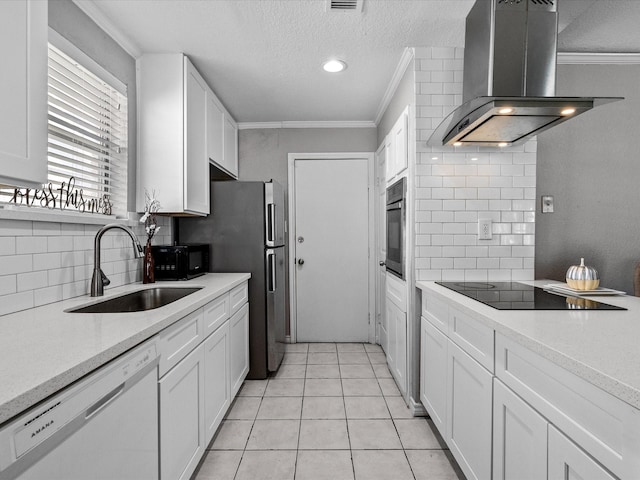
(263, 57)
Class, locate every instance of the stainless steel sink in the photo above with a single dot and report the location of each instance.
(138, 301)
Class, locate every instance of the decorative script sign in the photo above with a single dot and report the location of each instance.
(66, 196)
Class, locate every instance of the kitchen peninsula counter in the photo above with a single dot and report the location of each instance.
(599, 346)
(45, 349)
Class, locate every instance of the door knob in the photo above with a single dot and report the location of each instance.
(382, 264)
(300, 261)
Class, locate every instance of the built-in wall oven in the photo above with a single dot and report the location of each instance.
(396, 221)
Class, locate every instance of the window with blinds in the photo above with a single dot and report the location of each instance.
(87, 147)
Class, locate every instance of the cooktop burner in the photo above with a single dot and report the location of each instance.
(519, 296)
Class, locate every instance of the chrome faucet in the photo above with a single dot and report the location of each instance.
(99, 279)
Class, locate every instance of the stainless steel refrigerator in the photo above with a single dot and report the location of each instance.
(245, 231)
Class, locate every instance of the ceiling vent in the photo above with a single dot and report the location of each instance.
(344, 5)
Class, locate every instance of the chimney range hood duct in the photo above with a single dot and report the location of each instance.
(509, 77)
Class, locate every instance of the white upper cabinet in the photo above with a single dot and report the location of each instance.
(396, 146)
(215, 129)
(23, 93)
(222, 137)
(172, 140)
(230, 162)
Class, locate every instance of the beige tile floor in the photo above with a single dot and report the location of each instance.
(332, 411)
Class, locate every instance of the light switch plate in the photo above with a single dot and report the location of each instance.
(547, 204)
(484, 229)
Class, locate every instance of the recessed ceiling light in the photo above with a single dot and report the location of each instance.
(568, 111)
(457, 144)
(504, 111)
(334, 66)
(503, 144)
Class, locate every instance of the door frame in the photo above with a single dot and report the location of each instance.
(292, 158)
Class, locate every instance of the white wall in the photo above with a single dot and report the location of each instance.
(456, 186)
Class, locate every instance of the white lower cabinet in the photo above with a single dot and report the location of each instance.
(519, 437)
(204, 358)
(469, 400)
(239, 348)
(567, 461)
(182, 439)
(217, 379)
(433, 374)
(507, 413)
(397, 343)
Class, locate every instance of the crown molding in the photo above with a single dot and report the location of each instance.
(305, 124)
(568, 58)
(94, 13)
(405, 60)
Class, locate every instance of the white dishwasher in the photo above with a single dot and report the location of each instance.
(103, 427)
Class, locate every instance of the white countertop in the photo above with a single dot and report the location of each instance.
(600, 346)
(44, 349)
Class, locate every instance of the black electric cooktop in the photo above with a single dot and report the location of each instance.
(519, 296)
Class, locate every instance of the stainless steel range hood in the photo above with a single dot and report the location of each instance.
(509, 77)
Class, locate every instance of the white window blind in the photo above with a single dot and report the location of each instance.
(87, 121)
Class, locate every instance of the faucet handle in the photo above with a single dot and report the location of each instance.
(105, 280)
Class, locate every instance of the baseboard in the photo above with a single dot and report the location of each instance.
(417, 409)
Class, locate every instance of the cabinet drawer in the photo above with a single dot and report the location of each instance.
(604, 426)
(215, 314)
(397, 291)
(176, 341)
(436, 311)
(238, 297)
(472, 336)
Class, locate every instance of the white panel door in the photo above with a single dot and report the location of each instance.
(469, 402)
(433, 373)
(381, 232)
(519, 437)
(331, 250)
(567, 461)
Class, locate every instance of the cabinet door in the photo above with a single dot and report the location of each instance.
(239, 348)
(519, 437)
(400, 143)
(230, 147)
(196, 164)
(391, 334)
(433, 373)
(217, 397)
(215, 130)
(390, 156)
(23, 93)
(182, 438)
(469, 402)
(567, 461)
(400, 370)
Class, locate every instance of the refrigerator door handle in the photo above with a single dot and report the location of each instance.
(271, 224)
(271, 271)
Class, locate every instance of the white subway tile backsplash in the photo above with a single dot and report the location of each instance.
(47, 261)
(15, 228)
(7, 246)
(8, 284)
(16, 264)
(16, 302)
(43, 296)
(31, 281)
(52, 261)
(46, 228)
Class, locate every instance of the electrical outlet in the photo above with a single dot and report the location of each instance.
(484, 229)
